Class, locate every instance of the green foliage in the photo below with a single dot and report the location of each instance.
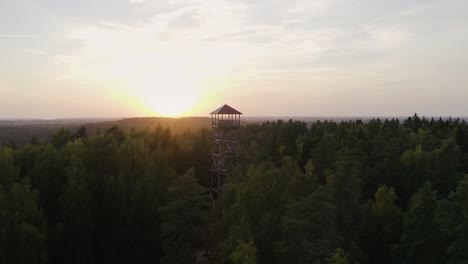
(375, 191)
(345, 187)
(457, 248)
(388, 215)
(422, 241)
(308, 229)
(324, 152)
(339, 256)
(183, 227)
(245, 253)
(76, 227)
(380, 225)
(22, 226)
(61, 138)
(8, 170)
(201, 156)
(237, 232)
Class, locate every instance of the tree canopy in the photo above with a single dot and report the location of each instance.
(380, 191)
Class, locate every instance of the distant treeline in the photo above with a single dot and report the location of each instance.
(18, 133)
(381, 191)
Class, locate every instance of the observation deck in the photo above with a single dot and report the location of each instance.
(225, 117)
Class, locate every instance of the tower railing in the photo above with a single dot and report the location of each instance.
(217, 123)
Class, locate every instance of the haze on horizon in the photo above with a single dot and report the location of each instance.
(108, 58)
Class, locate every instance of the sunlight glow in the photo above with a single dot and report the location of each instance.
(168, 95)
(173, 75)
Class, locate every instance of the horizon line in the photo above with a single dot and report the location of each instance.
(208, 116)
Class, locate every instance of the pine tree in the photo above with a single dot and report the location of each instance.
(458, 252)
(183, 226)
(308, 229)
(422, 240)
(245, 253)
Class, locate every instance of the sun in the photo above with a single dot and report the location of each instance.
(166, 85)
(167, 94)
(173, 99)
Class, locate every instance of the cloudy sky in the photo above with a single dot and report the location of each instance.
(119, 58)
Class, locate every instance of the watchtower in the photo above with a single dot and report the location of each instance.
(225, 122)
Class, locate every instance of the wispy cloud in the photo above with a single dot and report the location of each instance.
(136, 1)
(361, 50)
(35, 51)
(19, 36)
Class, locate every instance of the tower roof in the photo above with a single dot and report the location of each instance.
(225, 110)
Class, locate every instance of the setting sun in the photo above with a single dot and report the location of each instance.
(178, 99)
(169, 93)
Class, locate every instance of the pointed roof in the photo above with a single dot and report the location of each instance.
(225, 110)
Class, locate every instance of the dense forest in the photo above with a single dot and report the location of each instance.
(382, 191)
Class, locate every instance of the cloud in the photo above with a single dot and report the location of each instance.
(136, 1)
(35, 51)
(323, 48)
(244, 41)
(209, 35)
(19, 36)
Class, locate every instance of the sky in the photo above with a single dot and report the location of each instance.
(125, 58)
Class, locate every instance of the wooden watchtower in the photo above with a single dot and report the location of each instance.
(225, 122)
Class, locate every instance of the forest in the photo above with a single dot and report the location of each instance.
(380, 191)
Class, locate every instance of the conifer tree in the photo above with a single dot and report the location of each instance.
(422, 240)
